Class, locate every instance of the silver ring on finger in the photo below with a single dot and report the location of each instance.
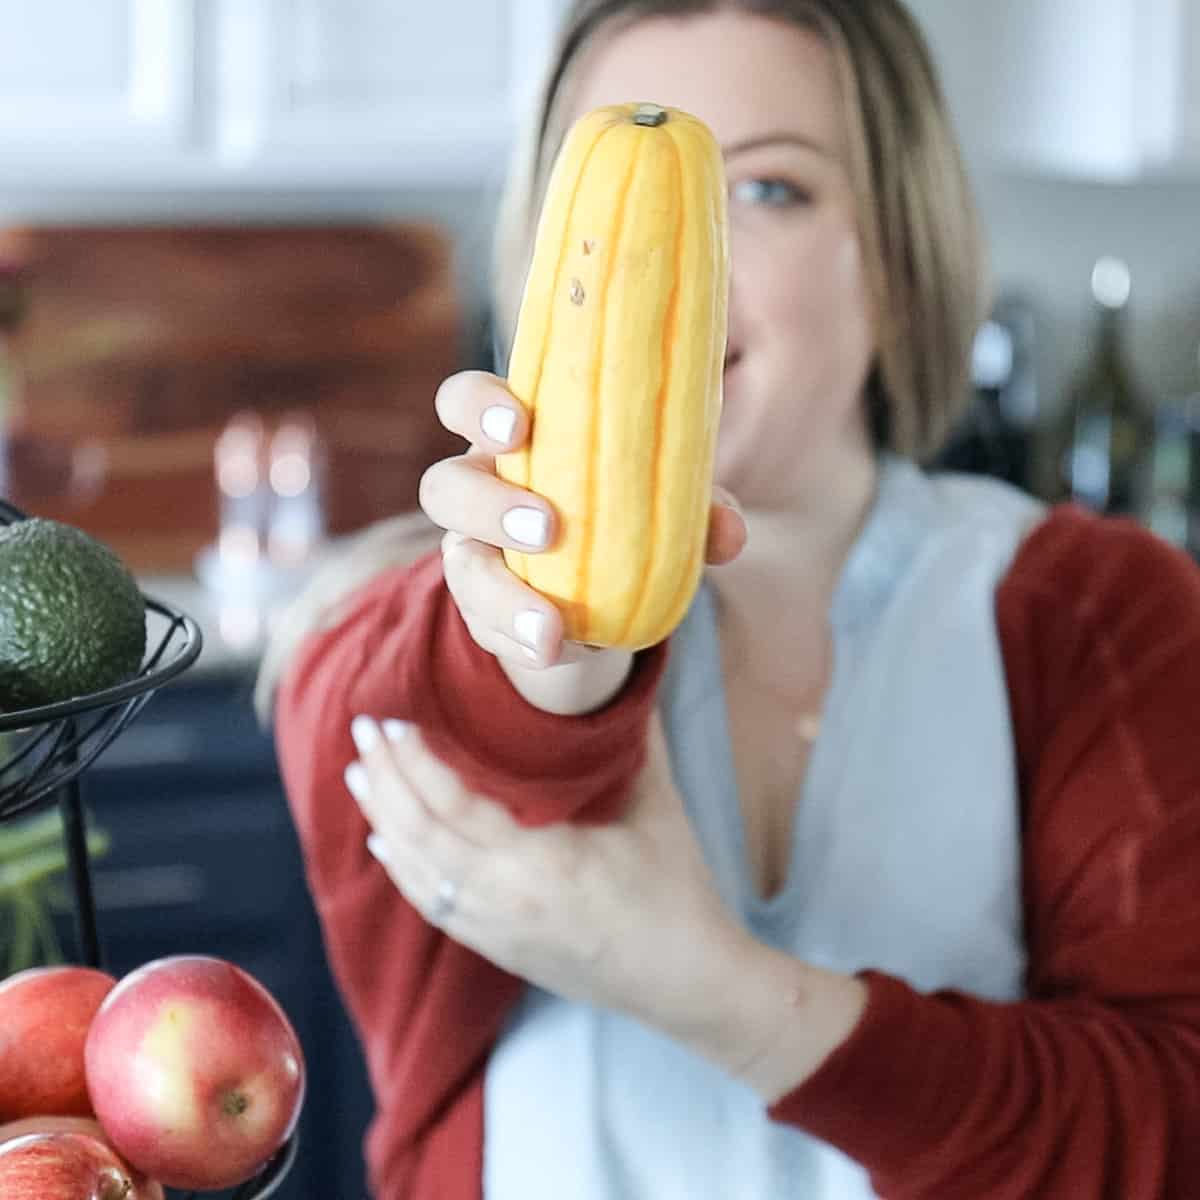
(445, 901)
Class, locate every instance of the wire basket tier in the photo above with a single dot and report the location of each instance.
(44, 750)
(268, 1181)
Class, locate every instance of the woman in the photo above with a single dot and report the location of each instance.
(879, 877)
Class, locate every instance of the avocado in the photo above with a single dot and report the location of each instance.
(72, 618)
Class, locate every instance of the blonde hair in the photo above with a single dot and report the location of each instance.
(916, 220)
(916, 214)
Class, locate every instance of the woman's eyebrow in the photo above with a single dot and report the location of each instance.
(758, 141)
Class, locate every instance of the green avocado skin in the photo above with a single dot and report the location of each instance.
(72, 618)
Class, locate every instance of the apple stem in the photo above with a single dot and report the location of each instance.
(115, 1185)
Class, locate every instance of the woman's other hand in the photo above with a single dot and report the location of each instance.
(483, 515)
(624, 915)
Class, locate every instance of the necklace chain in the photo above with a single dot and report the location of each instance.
(807, 723)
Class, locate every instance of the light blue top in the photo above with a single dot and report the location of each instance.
(905, 858)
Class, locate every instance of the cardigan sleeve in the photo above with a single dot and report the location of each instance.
(1090, 1087)
(427, 1010)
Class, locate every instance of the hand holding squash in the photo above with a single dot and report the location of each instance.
(483, 515)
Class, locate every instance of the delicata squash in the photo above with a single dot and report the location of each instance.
(618, 357)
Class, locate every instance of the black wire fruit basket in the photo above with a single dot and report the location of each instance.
(45, 750)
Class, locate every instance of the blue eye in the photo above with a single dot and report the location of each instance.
(774, 193)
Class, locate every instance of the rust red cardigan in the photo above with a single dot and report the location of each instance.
(1088, 1088)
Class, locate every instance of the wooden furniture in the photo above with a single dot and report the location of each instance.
(138, 344)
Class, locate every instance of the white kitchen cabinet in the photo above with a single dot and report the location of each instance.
(374, 91)
(94, 84)
(232, 97)
(1175, 140)
(225, 96)
(1095, 89)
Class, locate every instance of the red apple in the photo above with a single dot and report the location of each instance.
(45, 1013)
(195, 1072)
(68, 1166)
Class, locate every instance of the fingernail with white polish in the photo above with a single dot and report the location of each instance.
(396, 731)
(498, 422)
(526, 525)
(529, 626)
(356, 780)
(365, 733)
(376, 845)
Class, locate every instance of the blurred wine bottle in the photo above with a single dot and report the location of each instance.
(1175, 475)
(996, 433)
(1103, 443)
(1172, 473)
(298, 466)
(243, 495)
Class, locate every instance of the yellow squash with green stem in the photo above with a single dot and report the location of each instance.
(618, 357)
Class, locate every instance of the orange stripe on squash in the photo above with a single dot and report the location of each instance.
(618, 357)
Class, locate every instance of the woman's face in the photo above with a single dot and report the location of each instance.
(800, 332)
